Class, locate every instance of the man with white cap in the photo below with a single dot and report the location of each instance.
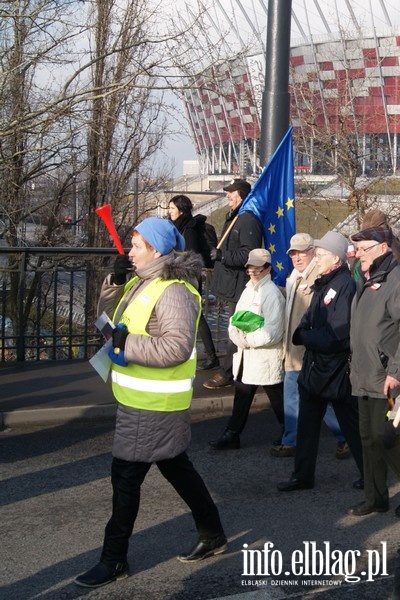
(298, 298)
(153, 385)
(325, 332)
(256, 328)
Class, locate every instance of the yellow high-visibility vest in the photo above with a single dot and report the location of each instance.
(166, 389)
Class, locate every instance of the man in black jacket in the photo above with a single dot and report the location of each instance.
(325, 332)
(230, 277)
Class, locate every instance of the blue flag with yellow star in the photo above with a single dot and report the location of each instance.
(271, 199)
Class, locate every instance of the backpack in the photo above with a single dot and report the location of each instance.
(207, 239)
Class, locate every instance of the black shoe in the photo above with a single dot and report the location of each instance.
(397, 511)
(208, 364)
(229, 440)
(277, 442)
(102, 574)
(362, 509)
(359, 484)
(294, 484)
(205, 548)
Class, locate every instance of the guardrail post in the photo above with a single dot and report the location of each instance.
(20, 342)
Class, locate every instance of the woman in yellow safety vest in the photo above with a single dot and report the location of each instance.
(153, 366)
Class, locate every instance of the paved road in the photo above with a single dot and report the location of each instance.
(55, 500)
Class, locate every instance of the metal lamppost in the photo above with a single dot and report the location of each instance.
(276, 98)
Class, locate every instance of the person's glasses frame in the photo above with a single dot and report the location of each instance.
(366, 250)
(322, 254)
(255, 270)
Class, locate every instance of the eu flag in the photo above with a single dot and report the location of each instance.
(271, 199)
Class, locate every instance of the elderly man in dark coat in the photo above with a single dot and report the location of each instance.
(375, 366)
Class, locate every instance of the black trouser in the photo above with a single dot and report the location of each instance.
(226, 367)
(127, 478)
(243, 398)
(204, 331)
(377, 458)
(206, 337)
(311, 413)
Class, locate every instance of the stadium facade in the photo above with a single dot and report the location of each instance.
(343, 87)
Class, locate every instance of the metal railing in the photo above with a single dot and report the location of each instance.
(48, 300)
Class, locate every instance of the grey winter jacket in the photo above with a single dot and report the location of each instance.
(149, 436)
(375, 329)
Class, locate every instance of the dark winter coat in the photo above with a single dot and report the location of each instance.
(324, 331)
(375, 328)
(187, 225)
(230, 277)
(145, 435)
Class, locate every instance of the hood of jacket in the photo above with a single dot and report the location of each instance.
(200, 219)
(175, 265)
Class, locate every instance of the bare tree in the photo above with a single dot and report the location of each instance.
(82, 115)
(333, 123)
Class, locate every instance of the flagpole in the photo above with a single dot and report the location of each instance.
(221, 241)
(275, 115)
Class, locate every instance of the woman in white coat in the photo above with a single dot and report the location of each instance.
(259, 357)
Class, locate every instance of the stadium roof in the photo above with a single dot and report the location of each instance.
(244, 22)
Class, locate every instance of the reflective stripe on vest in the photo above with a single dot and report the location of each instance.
(152, 388)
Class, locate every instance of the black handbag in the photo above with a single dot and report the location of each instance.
(326, 376)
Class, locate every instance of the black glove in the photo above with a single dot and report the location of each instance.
(122, 266)
(215, 254)
(119, 336)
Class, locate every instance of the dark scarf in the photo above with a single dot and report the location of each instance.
(182, 222)
(378, 272)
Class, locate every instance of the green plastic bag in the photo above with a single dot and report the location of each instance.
(247, 321)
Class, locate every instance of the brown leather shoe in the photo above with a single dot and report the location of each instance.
(218, 381)
(342, 450)
(282, 451)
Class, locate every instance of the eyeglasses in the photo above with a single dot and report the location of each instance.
(322, 254)
(255, 270)
(365, 250)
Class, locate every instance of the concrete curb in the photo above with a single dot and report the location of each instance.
(212, 406)
(45, 416)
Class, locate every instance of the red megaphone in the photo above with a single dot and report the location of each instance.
(104, 213)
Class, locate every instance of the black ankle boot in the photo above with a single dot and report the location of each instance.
(227, 441)
(102, 574)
